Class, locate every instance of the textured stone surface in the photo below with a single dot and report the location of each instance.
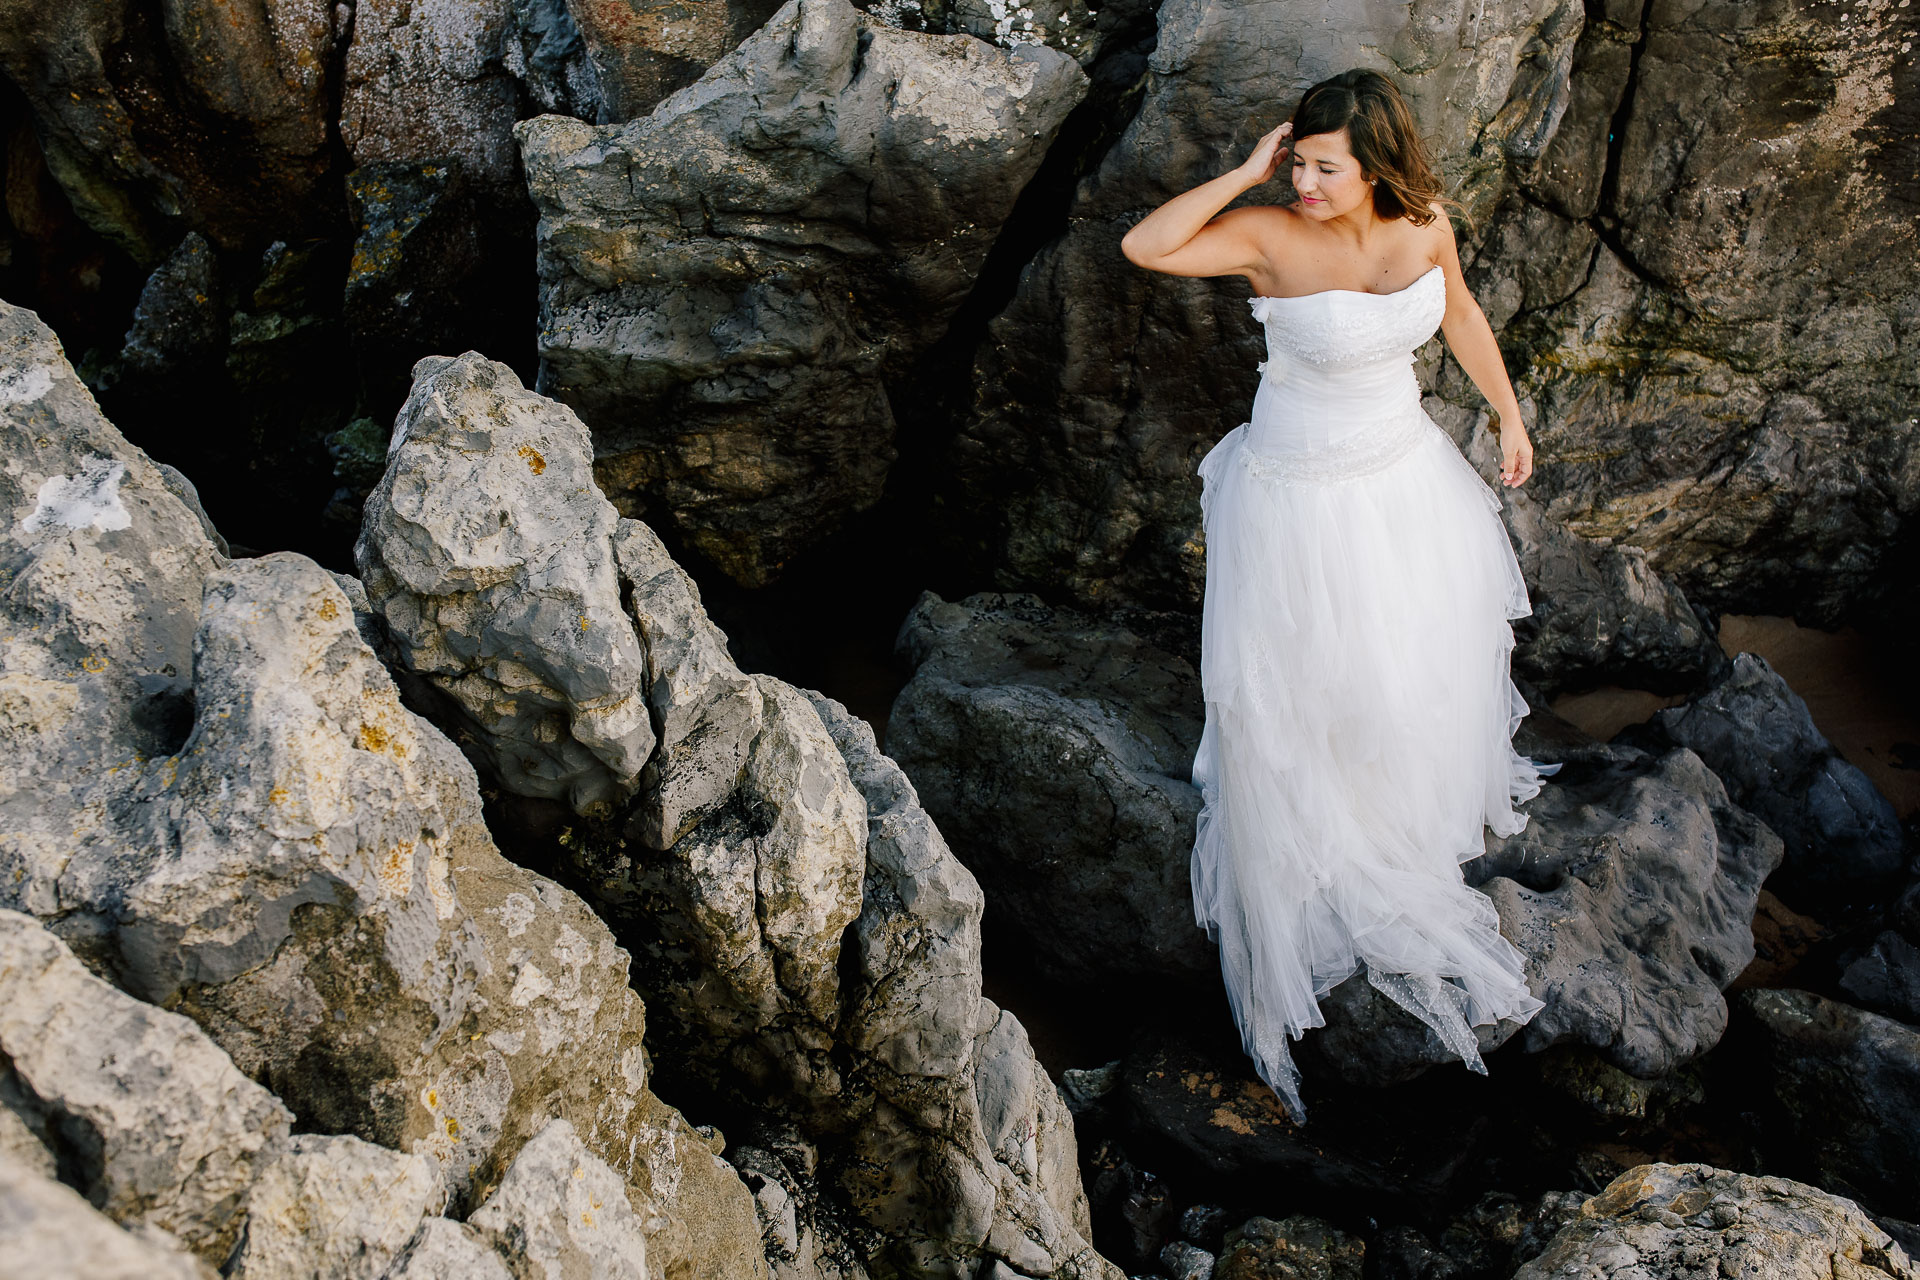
(560, 1212)
(334, 1208)
(141, 1111)
(486, 547)
(1839, 1091)
(642, 50)
(444, 1250)
(1296, 1248)
(202, 113)
(1018, 713)
(808, 944)
(732, 284)
(1674, 1220)
(216, 794)
(50, 1232)
(1757, 734)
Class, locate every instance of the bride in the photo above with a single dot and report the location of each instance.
(1360, 590)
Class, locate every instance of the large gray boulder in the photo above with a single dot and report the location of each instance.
(1018, 713)
(1666, 1221)
(808, 945)
(214, 792)
(733, 285)
(1841, 834)
(1839, 1092)
(332, 1207)
(147, 1116)
(50, 1228)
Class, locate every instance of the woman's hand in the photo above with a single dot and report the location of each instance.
(1516, 454)
(1259, 167)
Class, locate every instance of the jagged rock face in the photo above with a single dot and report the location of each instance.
(333, 1205)
(1710, 342)
(506, 597)
(767, 833)
(1600, 613)
(1841, 834)
(137, 1108)
(642, 50)
(732, 285)
(1839, 1090)
(66, 1238)
(1631, 891)
(1673, 1220)
(1016, 711)
(214, 792)
(204, 116)
(1704, 342)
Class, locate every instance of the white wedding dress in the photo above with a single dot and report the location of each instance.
(1355, 640)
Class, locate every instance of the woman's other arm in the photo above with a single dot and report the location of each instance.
(1183, 237)
(1471, 340)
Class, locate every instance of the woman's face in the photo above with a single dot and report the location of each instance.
(1327, 176)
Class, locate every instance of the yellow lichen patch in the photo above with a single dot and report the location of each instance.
(277, 796)
(396, 869)
(328, 610)
(93, 662)
(374, 738)
(453, 1127)
(583, 624)
(535, 462)
(1228, 1118)
(433, 1098)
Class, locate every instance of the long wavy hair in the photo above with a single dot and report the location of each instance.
(1384, 138)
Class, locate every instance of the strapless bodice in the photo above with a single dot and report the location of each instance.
(1337, 389)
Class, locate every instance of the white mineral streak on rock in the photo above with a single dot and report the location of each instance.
(88, 500)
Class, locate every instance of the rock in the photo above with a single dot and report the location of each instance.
(1632, 893)
(334, 1208)
(784, 825)
(560, 1212)
(1297, 1248)
(1018, 713)
(1672, 1220)
(1839, 1093)
(203, 118)
(806, 1238)
(643, 50)
(444, 1250)
(1183, 1261)
(216, 794)
(1756, 733)
(53, 1229)
(731, 285)
(1886, 978)
(428, 80)
(550, 57)
(504, 593)
(1601, 614)
(1501, 1232)
(1205, 1224)
(143, 1114)
(178, 323)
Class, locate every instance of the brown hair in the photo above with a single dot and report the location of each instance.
(1383, 137)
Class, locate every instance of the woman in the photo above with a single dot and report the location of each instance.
(1360, 589)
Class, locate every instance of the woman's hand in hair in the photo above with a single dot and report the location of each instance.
(1265, 160)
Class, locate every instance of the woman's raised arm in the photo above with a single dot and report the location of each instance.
(1183, 237)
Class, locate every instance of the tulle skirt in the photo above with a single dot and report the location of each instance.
(1355, 650)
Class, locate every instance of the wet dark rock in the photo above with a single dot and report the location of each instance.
(1296, 1248)
(734, 331)
(1839, 1092)
(1886, 978)
(1018, 713)
(1841, 834)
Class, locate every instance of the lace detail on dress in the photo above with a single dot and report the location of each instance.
(1344, 327)
(1372, 449)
